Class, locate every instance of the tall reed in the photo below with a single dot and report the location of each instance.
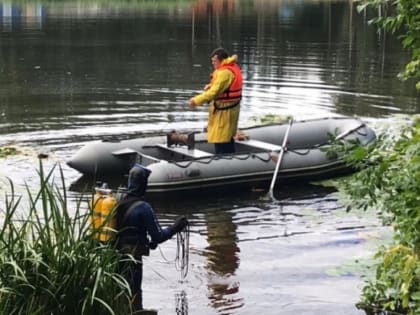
(50, 262)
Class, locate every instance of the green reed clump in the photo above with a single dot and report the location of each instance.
(50, 263)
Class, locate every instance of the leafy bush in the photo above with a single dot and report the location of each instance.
(396, 289)
(49, 261)
(391, 183)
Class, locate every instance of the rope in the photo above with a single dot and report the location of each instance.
(317, 146)
(208, 160)
(182, 251)
(181, 260)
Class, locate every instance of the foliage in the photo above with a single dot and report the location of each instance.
(391, 183)
(49, 261)
(400, 16)
(6, 151)
(396, 288)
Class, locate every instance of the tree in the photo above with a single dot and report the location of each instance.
(400, 17)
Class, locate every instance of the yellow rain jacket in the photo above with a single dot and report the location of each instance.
(222, 124)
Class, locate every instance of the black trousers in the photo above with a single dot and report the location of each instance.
(226, 147)
(132, 270)
(135, 274)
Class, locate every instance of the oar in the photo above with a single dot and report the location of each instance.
(280, 158)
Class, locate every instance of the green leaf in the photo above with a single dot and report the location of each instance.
(416, 296)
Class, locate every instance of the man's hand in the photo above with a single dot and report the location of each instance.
(180, 224)
(192, 103)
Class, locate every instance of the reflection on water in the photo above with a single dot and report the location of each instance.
(222, 258)
(250, 254)
(181, 303)
(29, 16)
(227, 221)
(74, 71)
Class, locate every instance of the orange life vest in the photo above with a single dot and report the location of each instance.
(234, 92)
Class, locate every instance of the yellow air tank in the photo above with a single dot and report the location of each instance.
(103, 220)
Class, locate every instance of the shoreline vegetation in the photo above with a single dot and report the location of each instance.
(50, 261)
(389, 181)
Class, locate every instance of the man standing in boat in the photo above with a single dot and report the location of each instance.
(139, 231)
(224, 93)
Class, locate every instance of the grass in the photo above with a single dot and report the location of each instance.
(50, 262)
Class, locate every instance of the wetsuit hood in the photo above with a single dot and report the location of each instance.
(137, 180)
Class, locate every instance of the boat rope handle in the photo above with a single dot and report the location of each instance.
(338, 137)
(208, 160)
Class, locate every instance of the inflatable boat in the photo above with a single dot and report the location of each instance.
(188, 162)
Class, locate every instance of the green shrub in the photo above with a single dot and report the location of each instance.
(391, 184)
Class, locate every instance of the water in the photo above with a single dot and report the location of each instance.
(72, 72)
(249, 255)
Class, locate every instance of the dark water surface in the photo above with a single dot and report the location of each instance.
(76, 71)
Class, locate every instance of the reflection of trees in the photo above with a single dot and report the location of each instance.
(72, 66)
(205, 9)
(222, 254)
(62, 68)
(210, 12)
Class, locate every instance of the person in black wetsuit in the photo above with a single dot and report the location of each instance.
(139, 230)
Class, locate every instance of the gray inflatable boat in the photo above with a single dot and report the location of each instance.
(192, 164)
